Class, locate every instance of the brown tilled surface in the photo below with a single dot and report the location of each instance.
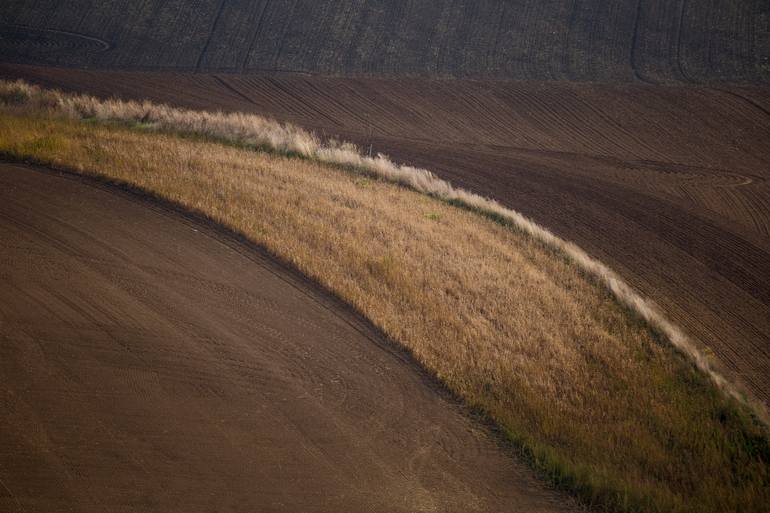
(622, 40)
(149, 364)
(667, 185)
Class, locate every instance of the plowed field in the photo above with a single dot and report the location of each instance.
(151, 363)
(623, 40)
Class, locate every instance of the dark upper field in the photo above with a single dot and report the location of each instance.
(619, 40)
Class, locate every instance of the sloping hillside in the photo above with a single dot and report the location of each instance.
(670, 189)
(622, 40)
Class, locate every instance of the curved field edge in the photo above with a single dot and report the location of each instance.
(585, 390)
(252, 131)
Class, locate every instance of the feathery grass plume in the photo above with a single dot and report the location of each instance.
(258, 132)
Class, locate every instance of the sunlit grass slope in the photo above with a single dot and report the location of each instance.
(581, 385)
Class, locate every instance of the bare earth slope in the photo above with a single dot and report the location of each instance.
(668, 185)
(652, 40)
(150, 364)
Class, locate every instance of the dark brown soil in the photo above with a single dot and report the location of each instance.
(667, 185)
(148, 363)
(621, 40)
(151, 364)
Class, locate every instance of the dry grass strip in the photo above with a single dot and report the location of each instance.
(265, 134)
(592, 395)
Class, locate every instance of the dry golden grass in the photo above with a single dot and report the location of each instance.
(256, 132)
(579, 382)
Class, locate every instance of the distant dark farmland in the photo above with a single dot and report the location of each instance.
(619, 40)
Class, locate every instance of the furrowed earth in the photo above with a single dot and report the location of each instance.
(151, 363)
(638, 129)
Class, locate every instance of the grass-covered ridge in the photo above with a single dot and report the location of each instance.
(259, 133)
(582, 385)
